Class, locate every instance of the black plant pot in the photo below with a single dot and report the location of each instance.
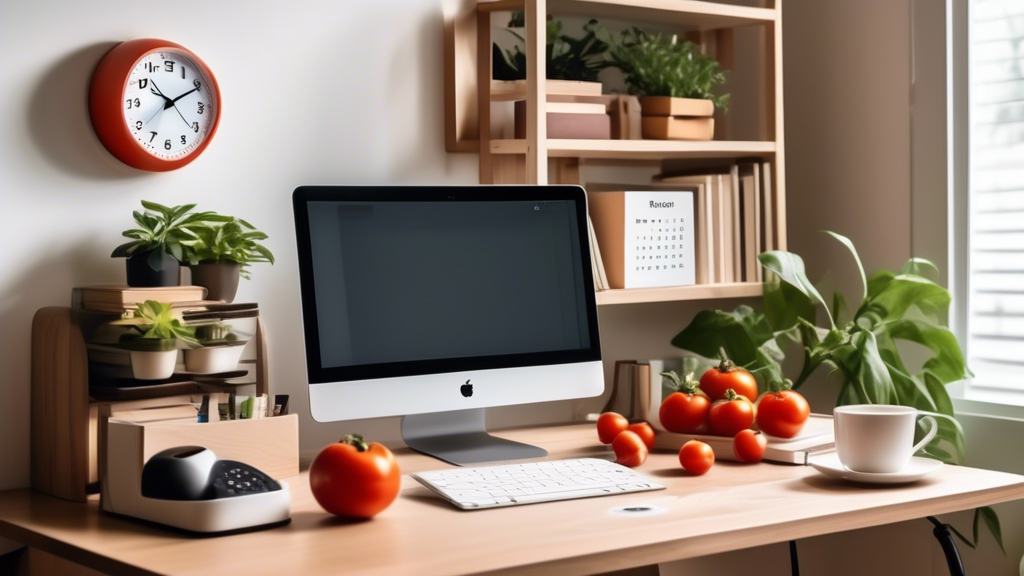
(152, 269)
(220, 279)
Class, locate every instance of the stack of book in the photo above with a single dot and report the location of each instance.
(121, 298)
(735, 219)
(575, 110)
(667, 118)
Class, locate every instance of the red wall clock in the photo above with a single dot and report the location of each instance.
(154, 105)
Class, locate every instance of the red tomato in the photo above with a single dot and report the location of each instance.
(353, 479)
(645, 432)
(730, 415)
(782, 414)
(684, 413)
(748, 446)
(629, 449)
(727, 375)
(696, 457)
(609, 425)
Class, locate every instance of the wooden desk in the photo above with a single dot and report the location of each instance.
(734, 506)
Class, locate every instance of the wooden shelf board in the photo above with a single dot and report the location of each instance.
(640, 149)
(674, 293)
(691, 14)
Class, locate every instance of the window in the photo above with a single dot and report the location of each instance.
(995, 229)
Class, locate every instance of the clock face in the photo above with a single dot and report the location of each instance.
(169, 104)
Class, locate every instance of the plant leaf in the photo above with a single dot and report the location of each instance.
(903, 292)
(918, 267)
(790, 268)
(784, 304)
(991, 519)
(856, 257)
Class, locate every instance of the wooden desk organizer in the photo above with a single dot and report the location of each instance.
(68, 425)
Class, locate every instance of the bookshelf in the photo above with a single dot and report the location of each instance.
(470, 94)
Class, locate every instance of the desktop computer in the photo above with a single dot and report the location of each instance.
(434, 303)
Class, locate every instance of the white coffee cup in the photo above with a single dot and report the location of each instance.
(878, 438)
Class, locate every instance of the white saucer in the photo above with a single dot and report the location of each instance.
(829, 465)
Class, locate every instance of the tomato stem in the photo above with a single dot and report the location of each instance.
(357, 441)
(726, 365)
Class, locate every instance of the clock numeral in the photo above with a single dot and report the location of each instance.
(131, 101)
(143, 83)
(182, 138)
(182, 72)
(169, 66)
(201, 108)
(151, 136)
(197, 84)
(151, 67)
(138, 124)
(195, 127)
(167, 144)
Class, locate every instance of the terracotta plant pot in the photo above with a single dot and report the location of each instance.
(220, 279)
(213, 359)
(669, 106)
(666, 118)
(153, 365)
(152, 269)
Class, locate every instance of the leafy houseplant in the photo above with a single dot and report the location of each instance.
(220, 254)
(159, 335)
(860, 349)
(156, 249)
(568, 58)
(220, 350)
(655, 66)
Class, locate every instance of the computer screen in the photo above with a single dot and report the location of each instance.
(424, 281)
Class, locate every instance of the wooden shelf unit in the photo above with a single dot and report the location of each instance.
(470, 92)
(678, 293)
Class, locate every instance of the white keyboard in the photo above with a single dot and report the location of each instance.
(532, 482)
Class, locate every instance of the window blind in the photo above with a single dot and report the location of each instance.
(995, 331)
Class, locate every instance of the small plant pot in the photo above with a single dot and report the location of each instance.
(213, 359)
(220, 279)
(669, 106)
(152, 269)
(153, 365)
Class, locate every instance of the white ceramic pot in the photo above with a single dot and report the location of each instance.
(153, 365)
(213, 359)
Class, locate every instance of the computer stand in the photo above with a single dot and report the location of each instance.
(460, 437)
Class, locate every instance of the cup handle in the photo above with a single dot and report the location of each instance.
(927, 437)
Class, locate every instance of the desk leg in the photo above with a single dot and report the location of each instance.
(945, 538)
(794, 561)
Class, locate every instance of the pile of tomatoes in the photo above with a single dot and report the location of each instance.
(725, 402)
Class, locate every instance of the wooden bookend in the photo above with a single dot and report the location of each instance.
(60, 406)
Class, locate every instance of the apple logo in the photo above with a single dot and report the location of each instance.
(466, 389)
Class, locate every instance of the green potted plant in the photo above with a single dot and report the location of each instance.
(155, 251)
(220, 254)
(676, 83)
(220, 349)
(158, 335)
(568, 58)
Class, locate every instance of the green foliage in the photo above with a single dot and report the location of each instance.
(657, 66)
(234, 241)
(215, 333)
(863, 352)
(157, 329)
(568, 58)
(164, 227)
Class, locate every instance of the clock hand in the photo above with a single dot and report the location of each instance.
(168, 103)
(185, 94)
